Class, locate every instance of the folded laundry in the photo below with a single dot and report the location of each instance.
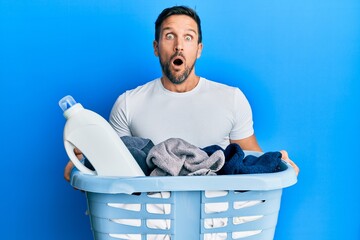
(237, 163)
(176, 157)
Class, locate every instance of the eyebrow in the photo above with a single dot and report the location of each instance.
(170, 29)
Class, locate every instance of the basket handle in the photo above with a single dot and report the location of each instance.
(69, 147)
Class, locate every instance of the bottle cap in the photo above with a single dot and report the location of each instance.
(67, 102)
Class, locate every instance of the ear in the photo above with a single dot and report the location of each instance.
(156, 48)
(200, 48)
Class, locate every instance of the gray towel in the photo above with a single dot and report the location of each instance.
(176, 157)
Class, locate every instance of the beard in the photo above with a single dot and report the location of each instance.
(176, 78)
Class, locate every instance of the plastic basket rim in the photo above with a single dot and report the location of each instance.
(255, 182)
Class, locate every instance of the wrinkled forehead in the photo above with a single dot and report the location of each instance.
(179, 22)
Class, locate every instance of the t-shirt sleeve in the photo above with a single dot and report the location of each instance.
(119, 118)
(243, 120)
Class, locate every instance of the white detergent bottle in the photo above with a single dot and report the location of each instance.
(97, 140)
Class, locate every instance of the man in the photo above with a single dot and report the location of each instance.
(181, 104)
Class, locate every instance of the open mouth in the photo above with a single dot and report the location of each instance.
(177, 62)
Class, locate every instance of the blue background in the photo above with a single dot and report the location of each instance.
(298, 62)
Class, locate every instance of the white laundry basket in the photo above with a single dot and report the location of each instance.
(241, 206)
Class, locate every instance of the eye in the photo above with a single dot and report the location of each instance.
(188, 38)
(169, 36)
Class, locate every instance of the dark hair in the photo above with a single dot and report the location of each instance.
(177, 10)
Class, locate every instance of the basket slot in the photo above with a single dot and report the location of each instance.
(264, 234)
(244, 235)
(215, 194)
(265, 222)
(264, 208)
(210, 223)
(246, 204)
(163, 224)
(126, 206)
(104, 225)
(267, 203)
(216, 207)
(245, 219)
(126, 236)
(219, 235)
(241, 196)
(105, 211)
(162, 209)
(106, 236)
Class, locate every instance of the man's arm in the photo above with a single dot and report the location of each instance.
(249, 143)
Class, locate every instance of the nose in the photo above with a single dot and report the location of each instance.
(178, 46)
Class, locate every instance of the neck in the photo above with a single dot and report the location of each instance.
(189, 84)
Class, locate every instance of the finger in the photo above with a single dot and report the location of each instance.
(286, 158)
(69, 166)
(284, 155)
(296, 168)
(78, 153)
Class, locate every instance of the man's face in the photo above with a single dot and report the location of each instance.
(178, 47)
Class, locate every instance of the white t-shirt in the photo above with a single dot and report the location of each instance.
(210, 114)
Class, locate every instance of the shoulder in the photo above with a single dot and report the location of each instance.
(147, 87)
(136, 94)
(140, 91)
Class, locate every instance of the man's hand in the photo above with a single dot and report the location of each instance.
(286, 158)
(70, 165)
